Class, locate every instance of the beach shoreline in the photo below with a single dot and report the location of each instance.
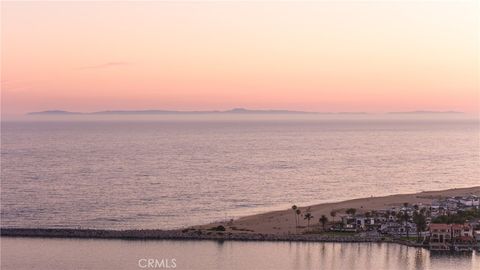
(283, 221)
(269, 226)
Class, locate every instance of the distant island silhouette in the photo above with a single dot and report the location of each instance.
(154, 112)
(232, 111)
(426, 112)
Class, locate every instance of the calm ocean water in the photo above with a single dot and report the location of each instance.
(65, 254)
(166, 174)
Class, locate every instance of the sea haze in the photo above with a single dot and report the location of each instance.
(169, 174)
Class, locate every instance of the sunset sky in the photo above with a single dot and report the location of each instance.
(373, 56)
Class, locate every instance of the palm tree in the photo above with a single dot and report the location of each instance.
(294, 208)
(351, 211)
(403, 217)
(420, 221)
(308, 216)
(298, 212)
(323, 219)
(333, 214)
(399, 217)
(406, 218)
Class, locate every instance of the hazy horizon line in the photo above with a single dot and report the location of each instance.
(233, 111)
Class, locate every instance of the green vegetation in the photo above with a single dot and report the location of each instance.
(420, 221)
(323, 220)
(308, 216)
(332, 234)
(240, 229)
(411, 239)
(339, 234)
(403, 218)
(333, 214)
(219, 228)
(459, 218)
(351, 211)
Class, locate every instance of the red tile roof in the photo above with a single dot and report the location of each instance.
(439, 226)
(461, 226)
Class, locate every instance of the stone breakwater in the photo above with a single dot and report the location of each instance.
(186, 235)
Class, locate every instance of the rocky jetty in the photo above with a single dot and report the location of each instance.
(186, 234)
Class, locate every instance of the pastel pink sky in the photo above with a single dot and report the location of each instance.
(372, 56)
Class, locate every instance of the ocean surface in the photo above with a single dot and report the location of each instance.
(170, 174)
(77, 254)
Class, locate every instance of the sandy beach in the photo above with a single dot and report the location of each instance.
(283, 222)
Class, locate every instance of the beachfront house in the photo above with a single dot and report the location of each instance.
(392, 218)
(380, 218)
(396, 229)
(476, 236)
(363, 222)
(470, 201)
(452, 203)
(440, 236)
(457, 237)
(386, 215)
(462, 235)
(359, 223)
(435, 208)
(459, 230)
(349, 223)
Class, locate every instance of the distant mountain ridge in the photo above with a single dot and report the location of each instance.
(54, 112)
(232, 111)
(154, 112)
(426, 112)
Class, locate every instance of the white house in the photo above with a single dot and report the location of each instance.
(470, 201)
